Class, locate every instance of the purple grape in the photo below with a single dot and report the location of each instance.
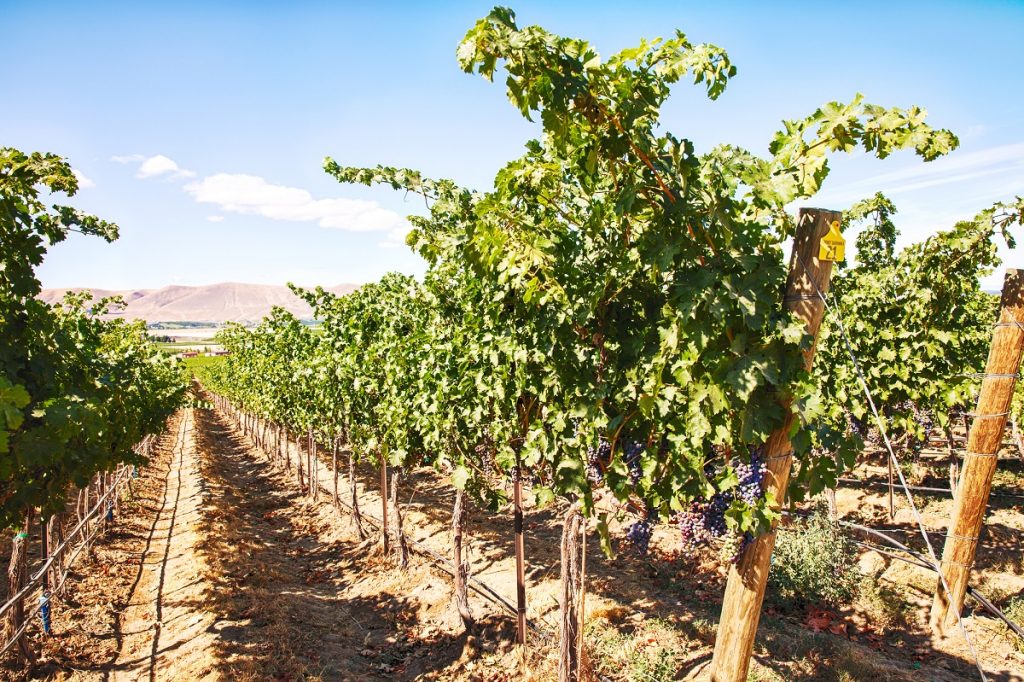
(639, 534)
(751, 475)
(632, 456)
(597, 461)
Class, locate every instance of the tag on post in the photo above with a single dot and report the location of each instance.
(833, 245)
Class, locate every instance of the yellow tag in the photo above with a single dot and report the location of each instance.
(833, 246)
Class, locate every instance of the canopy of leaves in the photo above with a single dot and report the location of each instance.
(613, 286)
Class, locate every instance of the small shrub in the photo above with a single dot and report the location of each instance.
(813, 563)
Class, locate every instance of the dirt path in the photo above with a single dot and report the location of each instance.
(165, 630)
(228, 573)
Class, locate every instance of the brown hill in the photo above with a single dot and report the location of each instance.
(227, 302)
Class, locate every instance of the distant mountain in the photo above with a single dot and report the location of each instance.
(227, 302)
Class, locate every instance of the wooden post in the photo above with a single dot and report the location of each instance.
(461, 572)
(983, 443)
(17, 575)
(334, 466)
(517, 502)
(744, 592)
(385, 541)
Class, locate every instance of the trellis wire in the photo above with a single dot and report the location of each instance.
(893, 460)
(917, 559)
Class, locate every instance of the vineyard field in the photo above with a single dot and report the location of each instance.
(243, 537)
(627, 409)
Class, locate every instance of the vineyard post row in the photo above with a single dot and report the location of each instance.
(741, 609)
(50, 578)
(970, 498)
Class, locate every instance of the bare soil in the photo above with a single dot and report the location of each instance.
(222, 568)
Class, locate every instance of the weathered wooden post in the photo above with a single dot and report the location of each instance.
(384, 539)
(810, 269)
(983, 443)
(517, 502)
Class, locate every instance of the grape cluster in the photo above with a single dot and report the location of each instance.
(697, 527)
(924, 420)
(639, 534)
(486, 454)
(856, 427)
(597, 460)
(863, 428)
(631, 456)
(733, 546)
(704, 521)
(925, 423)
(529, 478)
(751, 478)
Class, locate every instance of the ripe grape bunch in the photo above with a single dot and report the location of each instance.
(639, 534)
(705, 522)
(857, 427)
(597, 459)
(486, 454)
(751, 477)
(925, 424)
(632, 458)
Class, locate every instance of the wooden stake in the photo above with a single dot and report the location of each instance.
(892, 500)
(517, 501)
(334, 466)
(744, 592)
(461, 572)
(983, 443)
(385, 542)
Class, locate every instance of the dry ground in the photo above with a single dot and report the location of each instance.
(221, 568)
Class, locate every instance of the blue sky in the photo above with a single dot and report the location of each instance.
(200, 128)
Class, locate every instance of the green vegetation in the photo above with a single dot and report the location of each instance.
(921, 324)
(1015, 612)
(77, 393)
(201, 362)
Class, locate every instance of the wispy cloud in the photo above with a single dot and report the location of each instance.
(1005, 164)
(84, 182)
(395, 237)
(253, 195)
(976, 130)
(215, 218)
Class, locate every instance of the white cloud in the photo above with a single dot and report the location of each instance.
(253, 195)
(215, 218)
(161, 165)
(154, 166)
(84, 182)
